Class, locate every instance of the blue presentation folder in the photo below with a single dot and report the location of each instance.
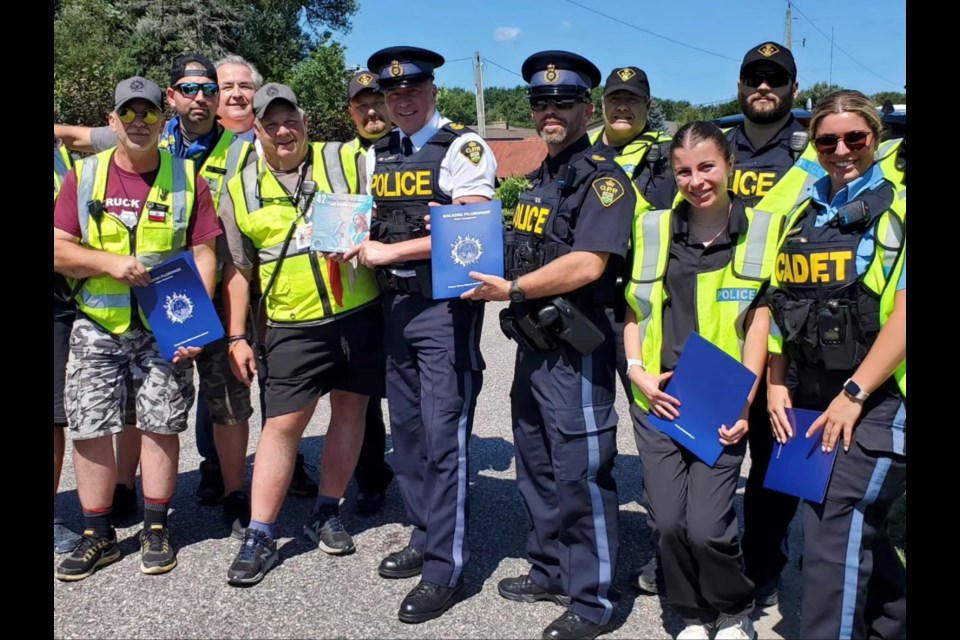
(800, 467)
(465, 238)
(712, 388)
(177, 306)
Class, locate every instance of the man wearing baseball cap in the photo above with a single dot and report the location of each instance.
(106, 202)
(321, 315)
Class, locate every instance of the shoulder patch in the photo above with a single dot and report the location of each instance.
(608, 189)
(456, 126)
(472, 151)
(599, 158)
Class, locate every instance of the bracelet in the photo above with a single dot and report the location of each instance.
(233, 339)
(635, 362)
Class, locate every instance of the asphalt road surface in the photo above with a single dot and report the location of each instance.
(312, 595)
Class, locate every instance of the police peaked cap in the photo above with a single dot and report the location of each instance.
(397, 67)
(559, 73)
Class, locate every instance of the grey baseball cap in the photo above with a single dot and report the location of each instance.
(265, 96)
(137, 87)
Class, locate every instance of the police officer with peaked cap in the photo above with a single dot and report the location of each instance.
(569, 238)
(434, 366)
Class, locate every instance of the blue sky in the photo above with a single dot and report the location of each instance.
(696, 56)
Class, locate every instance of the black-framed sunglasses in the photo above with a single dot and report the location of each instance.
(541, 104)
(127, 115)
(190, 89)
(773, 79)
(854, 141)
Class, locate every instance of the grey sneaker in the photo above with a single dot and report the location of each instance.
(157, 555)
(90, 554)
(258, 554)
(735, 628)
(326, 530)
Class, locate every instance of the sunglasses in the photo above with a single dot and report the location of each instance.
(772, 78)
(540, 104)
(190, 89)
(149, 116)
(854, 141)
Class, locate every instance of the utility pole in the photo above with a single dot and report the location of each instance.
(481, 108)
(789, 30)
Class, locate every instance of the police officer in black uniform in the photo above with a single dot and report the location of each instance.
(568, 240)
(434, 366)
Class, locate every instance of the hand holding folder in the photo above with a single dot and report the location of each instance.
(799, 467)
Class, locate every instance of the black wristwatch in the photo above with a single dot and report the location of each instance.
(516, 293)
(854, 392)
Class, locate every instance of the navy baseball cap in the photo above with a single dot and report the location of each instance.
(179, 71)
(135, 88)
(559, 73)
(772, 52)
(397, 67)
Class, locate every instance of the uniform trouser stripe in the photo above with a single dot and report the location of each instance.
(899, 430)
(851, 572)
(596, 503)
(460, 527)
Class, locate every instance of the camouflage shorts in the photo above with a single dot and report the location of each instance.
(96, 390)
(228, 399)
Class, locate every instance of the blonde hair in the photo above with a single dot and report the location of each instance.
(848, 101)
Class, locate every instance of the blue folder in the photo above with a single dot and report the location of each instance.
(712, 388)
(800, 467)
(464, 238)
(178, 307)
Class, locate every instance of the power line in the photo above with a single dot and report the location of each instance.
(860, 64)
(655, 35)
(502, 67)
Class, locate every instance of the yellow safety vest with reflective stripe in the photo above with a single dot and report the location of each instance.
(223, 162)
(61, 165)
(632, 156)
(723, 296)
(886, 308)
(349, 153)
(103, 299)
(264, 212)
(889, 246)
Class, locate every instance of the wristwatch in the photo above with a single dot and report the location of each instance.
(516, 293)
(635, 362)
(854, 392)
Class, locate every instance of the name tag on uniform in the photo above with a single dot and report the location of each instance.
(304, 236)
(157, 212)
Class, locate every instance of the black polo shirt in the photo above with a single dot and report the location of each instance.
(687, 259)
(757, 169)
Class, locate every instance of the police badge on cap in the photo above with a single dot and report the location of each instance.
(397, 67)
(559, 73)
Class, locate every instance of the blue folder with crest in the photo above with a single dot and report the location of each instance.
(465, 238)
(178, 307)
(800, 467)
(712, 388)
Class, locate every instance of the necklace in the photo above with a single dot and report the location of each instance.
(702, 233)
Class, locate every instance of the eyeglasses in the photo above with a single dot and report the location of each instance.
(190, 89)
(149, 116)
(773, 78)
(540, 104)
(854, 141)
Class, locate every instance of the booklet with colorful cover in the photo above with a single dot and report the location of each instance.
(800, 467)
(178, 307)
(712, 388)
(465, 238)
(339, 221)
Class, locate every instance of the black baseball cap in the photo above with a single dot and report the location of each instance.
(360, 82)
(559, 73)
(772, 52)
(179, 71)
(632, 79)
(397, 67)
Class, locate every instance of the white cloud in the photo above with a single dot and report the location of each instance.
(506, 34)
(566, 25)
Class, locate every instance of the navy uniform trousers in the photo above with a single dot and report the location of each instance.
(854, 584)
(434, 374)
(565, 432)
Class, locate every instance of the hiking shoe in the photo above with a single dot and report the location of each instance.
(64, 540)
(156, 554)
(236, 513)
(326, 529)
(126, 508)
(258, 554)
(210, 489)
(90, 554)
(735, 628)
(302, 485)
(647, 578)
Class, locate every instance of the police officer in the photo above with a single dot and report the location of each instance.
(569, 238)
(434, 366)
(838, 297)
(369, 114)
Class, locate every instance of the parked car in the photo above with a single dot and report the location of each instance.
(895, 122)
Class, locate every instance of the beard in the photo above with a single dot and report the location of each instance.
(557, 137)
(753, 114)
(374, 127)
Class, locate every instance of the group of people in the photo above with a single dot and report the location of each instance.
(783, 246)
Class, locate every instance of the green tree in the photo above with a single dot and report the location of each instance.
(894, 97)
(815, 92)
(655, 119)
(320, 83)
(509, 104)
(457, 104)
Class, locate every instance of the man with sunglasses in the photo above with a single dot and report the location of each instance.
(434, 365)
(569, 237)
(120, 213)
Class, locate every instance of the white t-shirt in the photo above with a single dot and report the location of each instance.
(459, 176)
